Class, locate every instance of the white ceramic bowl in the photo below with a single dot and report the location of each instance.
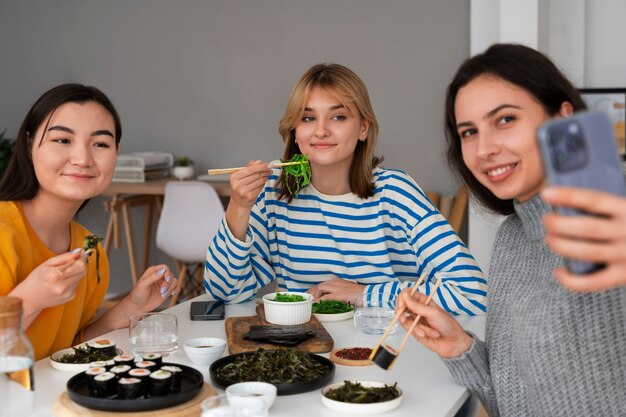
(287, 313)
(328, 318)
(71, 367)
(352, 408)
(242, 391)
(204, 351)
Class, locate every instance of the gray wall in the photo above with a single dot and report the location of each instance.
(210, 78)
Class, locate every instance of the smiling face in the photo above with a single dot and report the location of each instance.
(497, 122)
(75, 158)
(328, 133)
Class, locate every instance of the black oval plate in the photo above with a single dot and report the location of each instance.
(282, 389)
(191, 384)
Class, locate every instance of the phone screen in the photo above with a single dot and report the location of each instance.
(207, 310)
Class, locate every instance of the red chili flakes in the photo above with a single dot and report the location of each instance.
(354, 354)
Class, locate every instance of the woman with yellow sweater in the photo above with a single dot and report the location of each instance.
(64, 155)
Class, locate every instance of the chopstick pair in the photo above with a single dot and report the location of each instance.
(72, 261)
(385, 356)
(221, 171)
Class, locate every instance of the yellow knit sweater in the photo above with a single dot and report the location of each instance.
(21, 251)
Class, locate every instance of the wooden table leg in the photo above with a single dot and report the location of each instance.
(130, 242)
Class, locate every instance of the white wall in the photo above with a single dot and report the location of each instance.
(210, 78)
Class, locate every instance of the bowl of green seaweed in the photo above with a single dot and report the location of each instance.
(292, 371)
(361, 397)
(287, 308)
(332, 310)
(77, 358)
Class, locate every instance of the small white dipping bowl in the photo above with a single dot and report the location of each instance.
(204, 350)
(287, 313)
(241, 392)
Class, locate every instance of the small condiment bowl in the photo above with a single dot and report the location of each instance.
(243, 391)
(287, 313)
(204, 350)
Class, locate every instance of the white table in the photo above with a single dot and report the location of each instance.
(429, 390)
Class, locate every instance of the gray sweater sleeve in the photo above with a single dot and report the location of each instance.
(471, 370)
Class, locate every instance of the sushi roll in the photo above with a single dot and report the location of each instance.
(120, 371)
(125, 360)
(142, 375)
(159, 383)
(105, 347)
(91, 373)
(130, 388)
(105, 384)
(149, 365)
(176, 376)
(153, 357)
(102, 364)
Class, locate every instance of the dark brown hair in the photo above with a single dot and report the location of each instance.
(519, 65)
(19, 181)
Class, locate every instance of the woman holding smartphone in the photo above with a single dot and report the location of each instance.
(355, 229)
(548, 350)
(64, 155)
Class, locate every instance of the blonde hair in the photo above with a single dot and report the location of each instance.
(341, 83)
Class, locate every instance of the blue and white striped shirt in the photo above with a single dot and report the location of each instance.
(384, 242)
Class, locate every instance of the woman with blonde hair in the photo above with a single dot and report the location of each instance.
(355, 229)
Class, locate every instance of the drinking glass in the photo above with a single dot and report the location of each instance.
(374, 313)
(224, 406)
(153, 333)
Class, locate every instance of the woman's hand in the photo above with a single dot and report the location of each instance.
(52, 283)
(588, 238)
(246, 185)
(436, 330)
(337, 289)
(154, 286)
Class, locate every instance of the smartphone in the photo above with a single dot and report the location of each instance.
(207, 310)
(581, 151)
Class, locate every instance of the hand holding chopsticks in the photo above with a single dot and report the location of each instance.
(385, 356)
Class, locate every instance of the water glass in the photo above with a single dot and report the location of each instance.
(224, 406)
(153, 333)
(374, 313)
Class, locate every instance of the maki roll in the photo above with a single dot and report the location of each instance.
(102, 364)
(142, 375)
(105, 384)
(159, 383)
(120, 371)
(91, 373)
(130, 388)
(176, 376)
(149, 365)
(153, 357)
(104, 347)
(125, 360)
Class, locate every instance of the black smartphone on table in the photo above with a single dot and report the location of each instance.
(207, 310)
(581, 151)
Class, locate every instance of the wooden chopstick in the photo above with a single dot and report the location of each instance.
(417, 319)
(72, 261)
(397, 317)
(221, 171)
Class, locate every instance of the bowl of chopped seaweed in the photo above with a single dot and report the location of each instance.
(287, 308)
(332, 310)
(291, 370)
(361, 397)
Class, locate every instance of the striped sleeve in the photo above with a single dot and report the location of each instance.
(235, 270)
(439, 253)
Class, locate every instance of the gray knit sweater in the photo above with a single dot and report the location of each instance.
(548, 351)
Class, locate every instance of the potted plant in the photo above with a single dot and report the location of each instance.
(6, 151)
(183, 168)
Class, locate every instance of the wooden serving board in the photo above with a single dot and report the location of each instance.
(236, 327)
(65, 407)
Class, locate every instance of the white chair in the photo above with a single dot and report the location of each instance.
(191, 215)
